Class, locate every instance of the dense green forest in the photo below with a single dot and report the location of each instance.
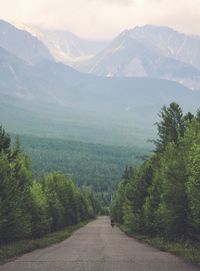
(31, 207)
(95, 165)
(162, 196)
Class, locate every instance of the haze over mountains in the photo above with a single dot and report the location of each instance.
(64, 46)
(42, 97)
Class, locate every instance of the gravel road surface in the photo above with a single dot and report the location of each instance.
(98, 247)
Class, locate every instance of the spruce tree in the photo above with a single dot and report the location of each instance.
(171, 126)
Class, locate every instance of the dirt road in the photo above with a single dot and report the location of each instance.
(98, 247)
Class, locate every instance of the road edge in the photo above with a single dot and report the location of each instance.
(10, 251)
(188, 250)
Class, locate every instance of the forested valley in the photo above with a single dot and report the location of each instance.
(162, 196)
(95, 165)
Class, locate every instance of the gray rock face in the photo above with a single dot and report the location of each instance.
(169, 43)
(150, 51)
(22, 44)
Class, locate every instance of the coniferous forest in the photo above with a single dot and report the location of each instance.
(30, 208)
(162, 196)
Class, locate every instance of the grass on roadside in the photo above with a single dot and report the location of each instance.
(187, 249)
(20, 247)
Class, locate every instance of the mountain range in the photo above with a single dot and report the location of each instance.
(150, 51)
(48, 98)
(147, 51)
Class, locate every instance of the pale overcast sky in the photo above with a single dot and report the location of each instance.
(103, 19)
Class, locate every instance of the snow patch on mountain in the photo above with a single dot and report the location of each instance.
(64, 46)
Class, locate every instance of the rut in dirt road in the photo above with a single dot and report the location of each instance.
(98, 247)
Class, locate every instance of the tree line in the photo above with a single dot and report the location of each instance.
(32, 207)
(162, 196)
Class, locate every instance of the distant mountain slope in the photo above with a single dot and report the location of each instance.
(51, 99)
(64, 46)
(168, 42)
(22, 44)
(150, 51)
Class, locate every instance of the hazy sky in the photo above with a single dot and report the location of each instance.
(103, 19)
